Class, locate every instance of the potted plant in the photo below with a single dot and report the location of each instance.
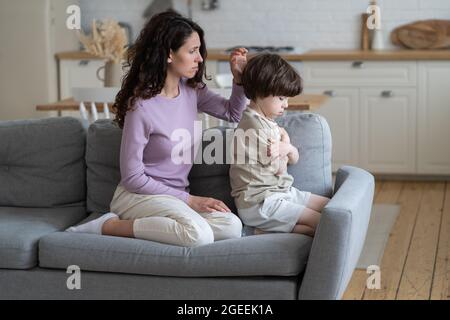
(108, 41)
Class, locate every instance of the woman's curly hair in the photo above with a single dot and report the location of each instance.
(147, 60)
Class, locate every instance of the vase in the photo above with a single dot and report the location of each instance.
(113, 74)
(377, 41)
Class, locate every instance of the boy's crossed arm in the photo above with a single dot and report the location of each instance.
(283, 151)
(292, 153)
(283, 148)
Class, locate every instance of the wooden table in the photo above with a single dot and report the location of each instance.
(68, 105)
(304, 102)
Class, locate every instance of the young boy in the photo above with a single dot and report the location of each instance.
(261, 187)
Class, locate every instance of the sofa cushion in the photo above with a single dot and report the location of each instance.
(21, 229)
(103, 166)
(217, 187)
(209, 176)
(42, 162)
(214, 157)
(310, 133)
(268, 254)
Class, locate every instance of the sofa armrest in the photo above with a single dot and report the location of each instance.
(340, 236)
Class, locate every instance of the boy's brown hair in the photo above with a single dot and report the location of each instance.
(269, 74)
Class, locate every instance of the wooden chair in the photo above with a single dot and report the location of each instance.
(92, 96)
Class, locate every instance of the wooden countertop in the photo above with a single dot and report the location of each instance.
(386, 55)
(76, 55)
(312, 55)
(304, 102)
(324, 55)
(68, 105)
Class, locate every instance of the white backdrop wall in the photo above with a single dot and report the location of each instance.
(305, 24)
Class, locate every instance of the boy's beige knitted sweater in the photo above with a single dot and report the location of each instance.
(253, 181)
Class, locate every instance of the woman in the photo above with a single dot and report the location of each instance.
(162, 92)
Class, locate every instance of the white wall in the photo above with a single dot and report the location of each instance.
(306, 24)
(31, 32)
(60, 38)
(129, 11)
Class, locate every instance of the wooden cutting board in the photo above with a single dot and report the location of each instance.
(426, 34)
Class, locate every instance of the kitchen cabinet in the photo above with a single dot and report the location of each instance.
(399, 122)
(360, 73)
(434, 117)
(388, 129)
(342, 113)
(374, 127)
(78, 73)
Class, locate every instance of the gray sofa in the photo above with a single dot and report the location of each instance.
(54, 174)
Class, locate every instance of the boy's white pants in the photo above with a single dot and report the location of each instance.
(167, 219)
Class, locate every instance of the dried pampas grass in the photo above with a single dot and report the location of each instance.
(108, 40)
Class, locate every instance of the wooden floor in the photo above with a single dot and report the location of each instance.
(415, 264)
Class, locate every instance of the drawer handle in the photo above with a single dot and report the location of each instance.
(357, 64)
(387, 93)
(83, 62)
(329, 93)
